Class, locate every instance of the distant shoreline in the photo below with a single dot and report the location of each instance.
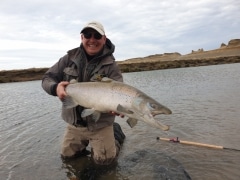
(157, 65)
(146, 65)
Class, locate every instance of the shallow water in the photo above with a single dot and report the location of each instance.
(205, 102)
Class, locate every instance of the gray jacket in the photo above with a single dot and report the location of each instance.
(75, 65)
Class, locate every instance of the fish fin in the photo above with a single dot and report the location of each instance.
(87, 112)
(73, 81)
(132, 122)
(106, 79)
(97, 77)
(122, 109)
(68, 102)
(95, 115)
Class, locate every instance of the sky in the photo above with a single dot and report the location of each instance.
(36, 33)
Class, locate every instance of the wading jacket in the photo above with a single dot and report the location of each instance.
(75, 65)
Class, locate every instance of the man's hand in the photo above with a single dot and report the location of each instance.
(61, 93)
(116, 114)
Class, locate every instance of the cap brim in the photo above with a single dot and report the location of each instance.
(95, 28)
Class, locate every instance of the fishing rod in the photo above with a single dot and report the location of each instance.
(177, 140)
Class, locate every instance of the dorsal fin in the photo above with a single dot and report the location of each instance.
(73, 81)
(106, 79)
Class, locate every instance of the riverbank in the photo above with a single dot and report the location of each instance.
(224, 55)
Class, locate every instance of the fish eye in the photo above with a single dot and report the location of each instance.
(153, 106)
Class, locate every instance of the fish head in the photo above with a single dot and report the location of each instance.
(156, 108)
(148, 105)
(147, 108)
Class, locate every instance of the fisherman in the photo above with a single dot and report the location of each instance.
(93, 57)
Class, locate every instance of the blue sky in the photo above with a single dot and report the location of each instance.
(36, 33)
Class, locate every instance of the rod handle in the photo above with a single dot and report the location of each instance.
(201, 144)
(195, 143)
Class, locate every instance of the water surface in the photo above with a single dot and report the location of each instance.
(205, 102)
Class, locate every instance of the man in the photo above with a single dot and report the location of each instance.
(94, 56)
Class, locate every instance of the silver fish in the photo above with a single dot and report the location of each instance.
(108, 95)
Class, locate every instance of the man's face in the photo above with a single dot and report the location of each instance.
(92, 41)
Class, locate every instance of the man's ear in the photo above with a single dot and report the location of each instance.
(105, 39)
(81, 36)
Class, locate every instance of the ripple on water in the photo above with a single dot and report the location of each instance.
(205, 105)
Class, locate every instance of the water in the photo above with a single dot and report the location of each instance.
(205, 102)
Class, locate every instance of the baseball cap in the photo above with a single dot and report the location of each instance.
(94, 25)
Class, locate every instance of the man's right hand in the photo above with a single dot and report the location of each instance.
(61, 93)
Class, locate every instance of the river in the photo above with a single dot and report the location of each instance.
(205, 102)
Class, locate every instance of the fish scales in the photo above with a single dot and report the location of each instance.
(102, 97)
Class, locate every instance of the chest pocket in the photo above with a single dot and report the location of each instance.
(70, 73)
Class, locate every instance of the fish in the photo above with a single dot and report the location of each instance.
(107, 95)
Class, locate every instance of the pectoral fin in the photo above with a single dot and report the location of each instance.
(132, 122)
(95, 115)
(122, 109)
(68, 102)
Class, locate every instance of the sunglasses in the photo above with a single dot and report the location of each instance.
(88, 35)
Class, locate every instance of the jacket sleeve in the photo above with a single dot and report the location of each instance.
(53, 76)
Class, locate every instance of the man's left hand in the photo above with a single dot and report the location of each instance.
(116, 114)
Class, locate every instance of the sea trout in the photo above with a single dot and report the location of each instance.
(108, 95)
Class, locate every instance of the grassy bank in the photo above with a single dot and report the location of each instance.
(143, 64)
(148, 66)
(22, 75)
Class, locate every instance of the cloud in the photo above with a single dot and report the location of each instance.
(37, 33)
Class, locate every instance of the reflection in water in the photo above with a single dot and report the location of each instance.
(83, 168)
(152, 165)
